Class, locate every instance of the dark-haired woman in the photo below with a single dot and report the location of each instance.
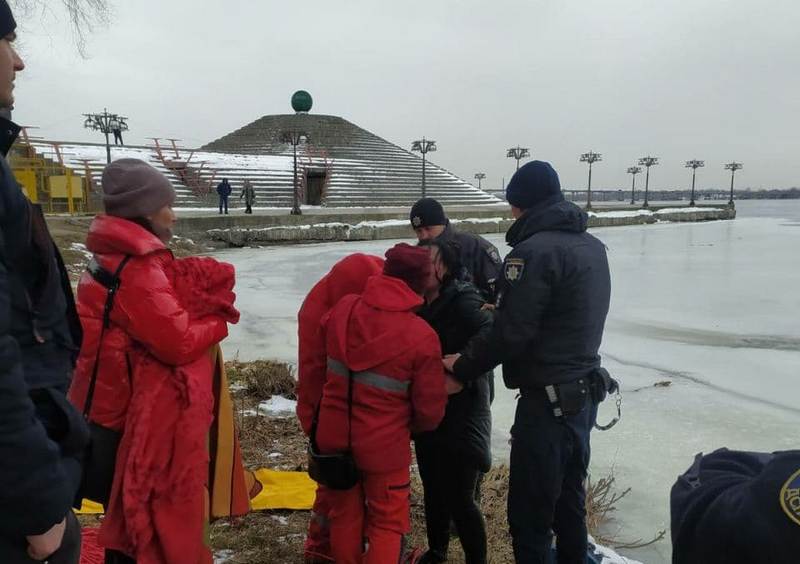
(452, 457)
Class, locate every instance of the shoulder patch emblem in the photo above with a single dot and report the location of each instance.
(494, 255)
(513, 269)
(416, 221)
(790, 497)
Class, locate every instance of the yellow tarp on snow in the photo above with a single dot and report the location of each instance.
(280, 490)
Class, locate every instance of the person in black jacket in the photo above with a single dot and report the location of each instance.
(452, 457)
(737, 507)
(552, 304)
(224, 190)
(41, 436)
(480, 261)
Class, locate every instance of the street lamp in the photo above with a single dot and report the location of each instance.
(733, 167)
(479, 176)
(694, 164)
(591, 158)
(518, 153)
(294, 138)
(106, 123)
(633, 171)
(647, 161)
(423, 146)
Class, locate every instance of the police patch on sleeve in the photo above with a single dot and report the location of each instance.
(790, 497)
(513, 269)
(494, 255)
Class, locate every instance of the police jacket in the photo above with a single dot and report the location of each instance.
(466, 429)
(480, 260)
(553, 300)
(40, 434)
(735, 507)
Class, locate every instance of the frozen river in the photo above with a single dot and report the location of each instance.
(711, 308)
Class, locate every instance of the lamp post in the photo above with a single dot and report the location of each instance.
(423, 146)
(294, 138)
(518, 153)
(591, 158)
(479, 176)
(103, 123)
(733, 167)
(694, 164)
(633, 171)
(647, 161)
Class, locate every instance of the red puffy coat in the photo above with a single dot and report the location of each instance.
(348, 276)
(154, 383)
(147, 318)
(398, 379)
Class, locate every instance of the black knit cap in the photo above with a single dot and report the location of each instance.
(426, 213)
(533, 184)
(7, 22)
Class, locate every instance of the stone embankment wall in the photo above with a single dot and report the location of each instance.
(244, 231)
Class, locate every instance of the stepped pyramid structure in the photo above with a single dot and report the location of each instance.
(342, 164)
(339, 165)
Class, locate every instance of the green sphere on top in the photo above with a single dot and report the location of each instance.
(301, 101)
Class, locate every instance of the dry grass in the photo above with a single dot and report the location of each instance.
(263, 379)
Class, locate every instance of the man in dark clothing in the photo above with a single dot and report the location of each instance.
(249, 195)
(553, 298)
(734, 507)
(479, 258)
(41, 435)
(224, 190)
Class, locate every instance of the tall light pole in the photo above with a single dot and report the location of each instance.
(647, 161)
(633, 171)
(518, 153)
(733, 167)
(103, 123)
(694, 164)
(294, 138)
(479, 176)
(591, 158)
(423, 146)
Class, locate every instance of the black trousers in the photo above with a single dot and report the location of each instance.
(249, 208)
(68, 553)
(449, 481)
(549, 462)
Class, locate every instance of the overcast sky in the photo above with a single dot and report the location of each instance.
(707, 79)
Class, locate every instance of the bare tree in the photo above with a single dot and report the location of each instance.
(84, 15)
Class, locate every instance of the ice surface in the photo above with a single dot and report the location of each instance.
(711, 307)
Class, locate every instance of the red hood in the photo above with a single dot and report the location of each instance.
(372, 338)
(112, 235)
(349, 275)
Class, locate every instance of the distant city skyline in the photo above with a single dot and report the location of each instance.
(705, 80)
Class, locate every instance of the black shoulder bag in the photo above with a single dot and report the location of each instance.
(100, 456)
(335, 471)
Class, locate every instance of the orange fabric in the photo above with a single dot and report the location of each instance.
(374, 516)
(230, 485)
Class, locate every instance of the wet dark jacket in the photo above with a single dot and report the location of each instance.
(553, 299)
(481, 263)
(466, 429)
(41, 436)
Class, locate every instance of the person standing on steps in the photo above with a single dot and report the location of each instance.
(224, 191)
(249, 195)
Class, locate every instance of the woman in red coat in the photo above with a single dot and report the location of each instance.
(348, 276)
(155, 368)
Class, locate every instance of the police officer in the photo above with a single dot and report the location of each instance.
(479, 258)
(735, 507)
(553, 298)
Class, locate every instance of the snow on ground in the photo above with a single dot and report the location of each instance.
(222, 556)
(622, 213)
(608, 556)
(710, 307)
(276, 406)
(685, 210)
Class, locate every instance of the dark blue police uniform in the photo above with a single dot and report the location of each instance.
(553, 300)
